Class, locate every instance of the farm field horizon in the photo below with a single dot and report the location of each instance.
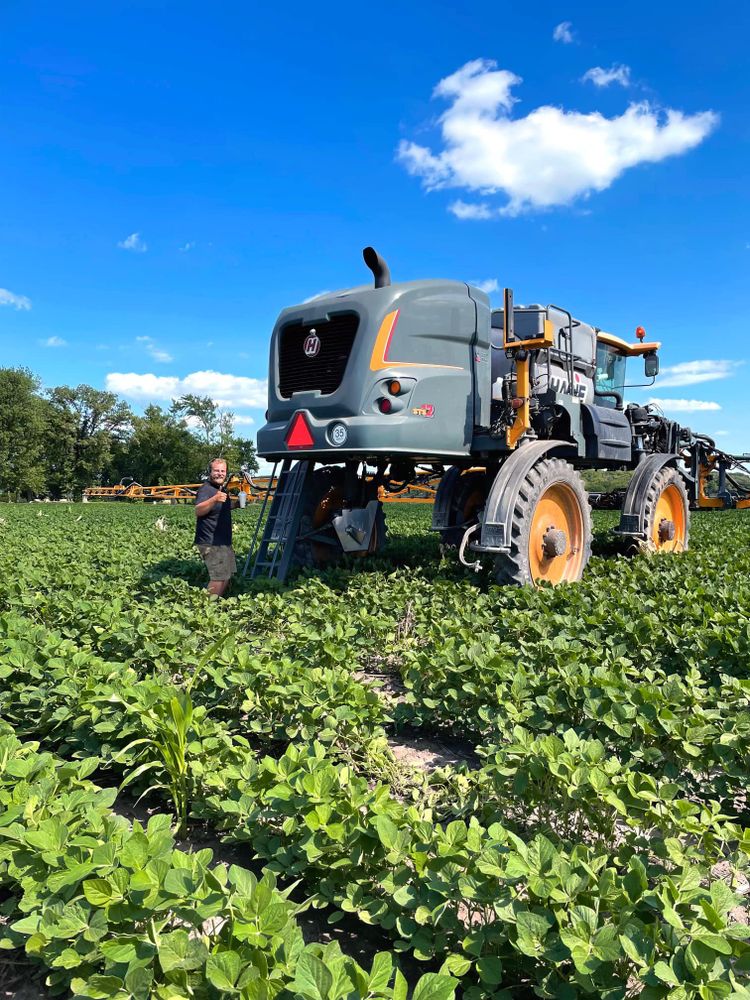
(510, 792)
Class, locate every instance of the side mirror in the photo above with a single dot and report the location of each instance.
(651, 365)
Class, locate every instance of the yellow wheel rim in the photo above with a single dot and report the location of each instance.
(556, 541)
(669, 529)
(474, 503)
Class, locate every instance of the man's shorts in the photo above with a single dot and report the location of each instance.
(219, 560)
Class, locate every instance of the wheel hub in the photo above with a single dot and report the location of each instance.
(667, 530)
(554, 542)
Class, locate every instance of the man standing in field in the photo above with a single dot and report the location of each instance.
(213, 528)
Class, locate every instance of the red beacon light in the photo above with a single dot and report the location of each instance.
(640, 333)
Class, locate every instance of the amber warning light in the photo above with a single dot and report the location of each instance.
(298, 435)
(640, 333)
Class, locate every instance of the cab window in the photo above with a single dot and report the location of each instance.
(610, 373)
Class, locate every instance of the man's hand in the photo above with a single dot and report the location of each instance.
(219, 497)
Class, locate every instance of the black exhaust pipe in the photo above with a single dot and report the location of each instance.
(378, 267)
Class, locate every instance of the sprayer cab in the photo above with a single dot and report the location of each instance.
(382, 368)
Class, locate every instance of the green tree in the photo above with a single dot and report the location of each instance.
(84, 427)
(216, 432)
(160, 449)
(22, 426)
(206, 414)
(241, 451)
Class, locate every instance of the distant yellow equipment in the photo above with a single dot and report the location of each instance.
(421, 489)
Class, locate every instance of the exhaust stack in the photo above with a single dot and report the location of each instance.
(378, 267)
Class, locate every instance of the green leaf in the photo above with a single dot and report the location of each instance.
(138, 981)
(382, 970)
(223, 970)
(99, 892)
(434, 986)
(456, 965)
(387, 831)
(400, 986)
(532, 930)
(179, 951)
(665, 973)
(312, 979)
(636, 944)
(716, 942)
(490, 970)
(243, 880)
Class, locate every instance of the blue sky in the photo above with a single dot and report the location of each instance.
(172, 175)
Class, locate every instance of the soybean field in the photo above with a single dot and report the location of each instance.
(390, 779)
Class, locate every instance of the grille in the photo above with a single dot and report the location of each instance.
(298, 373)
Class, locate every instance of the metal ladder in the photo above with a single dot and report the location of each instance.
(273, 556)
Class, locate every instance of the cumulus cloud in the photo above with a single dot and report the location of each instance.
(563, 32)
(243, 420)
(16, 301)
(684, 405)
(465, 210)
(225, 390)
(489, 285)
(601, 77)
(695, 372)
(54, 342)
(549, 157)
(133, 243)
(153, 350)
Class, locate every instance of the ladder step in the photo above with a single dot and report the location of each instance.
(273, 555)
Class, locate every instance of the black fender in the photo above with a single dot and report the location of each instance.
(442, 507)
(631, 518)
(498, 512)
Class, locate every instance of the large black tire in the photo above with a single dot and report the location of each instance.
(466, 503)
(321, 500)
(666, 500)
(552, 492)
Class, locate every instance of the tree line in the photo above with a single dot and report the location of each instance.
(56, 442)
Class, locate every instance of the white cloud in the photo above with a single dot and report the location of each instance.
(465, 210)
(225, 390)
(695, 372)
(549, 157)
(243, 420)
(155, 352)
(563, 32)
(134, 243)
(186, 247)
(684, 405)
(17, 301)
(54, 342)
(603, 77)
(489, 285)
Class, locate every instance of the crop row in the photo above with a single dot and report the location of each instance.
(509, 899)
(115, 910)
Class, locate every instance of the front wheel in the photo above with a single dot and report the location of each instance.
(666, 513)
(317, 544)
(550, 529)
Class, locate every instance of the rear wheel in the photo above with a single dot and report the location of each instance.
(466, 503)
(550, 529)
(317, 544)
(666, 513)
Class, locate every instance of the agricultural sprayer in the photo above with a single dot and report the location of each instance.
(370, 385)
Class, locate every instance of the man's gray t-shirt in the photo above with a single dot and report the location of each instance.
(214, 528)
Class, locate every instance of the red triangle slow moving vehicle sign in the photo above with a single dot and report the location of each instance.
(299, 435)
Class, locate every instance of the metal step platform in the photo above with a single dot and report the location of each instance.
(272, 558)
